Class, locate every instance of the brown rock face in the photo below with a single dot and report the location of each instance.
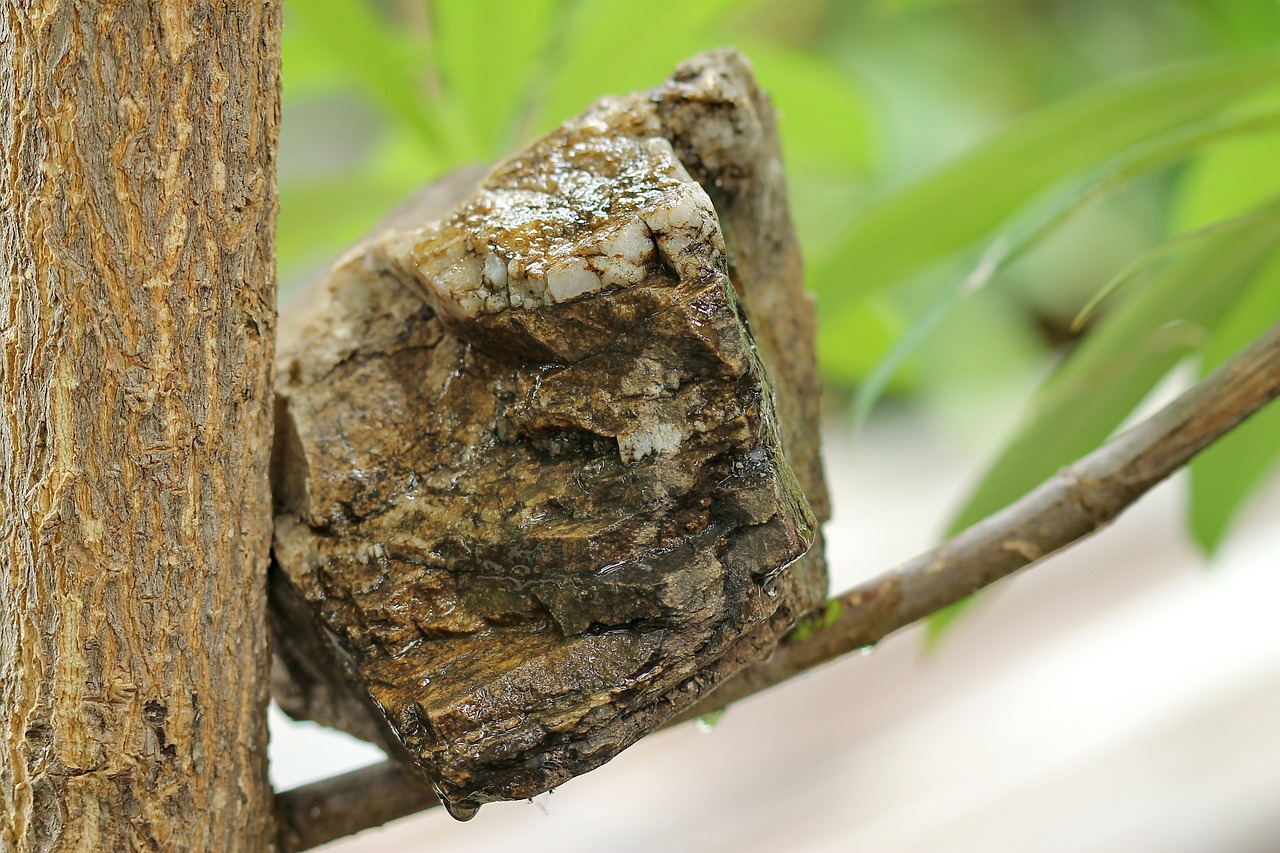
(547, 467)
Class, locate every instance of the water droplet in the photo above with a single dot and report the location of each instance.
(463, 811)
(865, 651)
(707, 722)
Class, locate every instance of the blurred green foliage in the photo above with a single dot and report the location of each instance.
(966, 176)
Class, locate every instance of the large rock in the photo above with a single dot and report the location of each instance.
(547, 467)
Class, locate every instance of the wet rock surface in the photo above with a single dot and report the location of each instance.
(546, 467)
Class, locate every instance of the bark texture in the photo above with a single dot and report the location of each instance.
(540, 485)
(137, 207)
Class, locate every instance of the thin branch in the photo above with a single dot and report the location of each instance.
(339, 806)
(1079, 500)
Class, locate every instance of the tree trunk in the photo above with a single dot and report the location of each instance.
(137, 205)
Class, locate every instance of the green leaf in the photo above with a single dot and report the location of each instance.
(1146, 332)
(1144, 335)
(620, 47)
(391, 67)
(319, 218)
(1031, 226)
(824, 117)
(1227, 473)
(1176, 243)
(1228, 180)
(883, 372)
(1243, 23)
(492, 56)
(400, 158)
(960, 203)
(1040, 219)
(939, 623)
(852, 344)
(308, 68)
(918, 4)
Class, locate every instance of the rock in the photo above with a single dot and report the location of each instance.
(547, 466)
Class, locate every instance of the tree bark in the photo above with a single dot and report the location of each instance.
(137, 207)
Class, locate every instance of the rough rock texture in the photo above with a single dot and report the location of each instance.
(540, 485)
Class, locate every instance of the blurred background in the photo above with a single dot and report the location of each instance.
(1024, 223)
